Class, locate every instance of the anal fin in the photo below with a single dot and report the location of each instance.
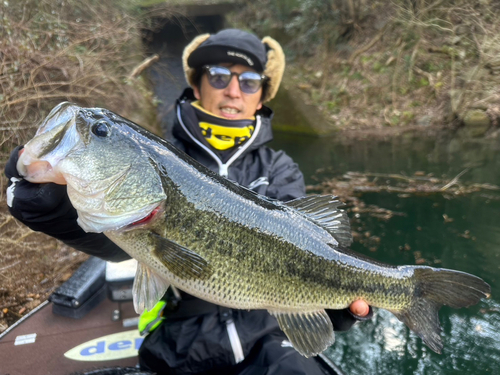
(309, 332)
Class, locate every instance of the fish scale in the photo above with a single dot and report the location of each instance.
(193, 229)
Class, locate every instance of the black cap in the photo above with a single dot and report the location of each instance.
(230, 46)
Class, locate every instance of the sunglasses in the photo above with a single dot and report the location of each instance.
(219, 78)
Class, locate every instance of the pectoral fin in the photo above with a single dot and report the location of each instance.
(148, 288)
(180, 261)
(309, 332)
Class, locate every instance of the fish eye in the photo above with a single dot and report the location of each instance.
(100, 129)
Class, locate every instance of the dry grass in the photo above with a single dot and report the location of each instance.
(54, 51)
(433, 63)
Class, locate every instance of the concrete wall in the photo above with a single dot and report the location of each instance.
(167, 74)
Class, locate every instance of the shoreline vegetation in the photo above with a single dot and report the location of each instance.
(363, 68)
(385, 64)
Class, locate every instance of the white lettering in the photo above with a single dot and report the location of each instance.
(241, 56)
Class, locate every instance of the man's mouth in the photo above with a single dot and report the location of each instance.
(230, 111)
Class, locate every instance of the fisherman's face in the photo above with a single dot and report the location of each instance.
(230, 102)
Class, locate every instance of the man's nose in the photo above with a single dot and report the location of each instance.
(233, 89)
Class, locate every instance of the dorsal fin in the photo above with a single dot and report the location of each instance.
(324, 210)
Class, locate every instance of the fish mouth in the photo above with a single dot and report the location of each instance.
(41, 172)
(62, 113)
(54, 139)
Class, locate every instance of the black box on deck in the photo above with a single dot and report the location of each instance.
(84, 290)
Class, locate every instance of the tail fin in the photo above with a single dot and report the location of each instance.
(434, 288)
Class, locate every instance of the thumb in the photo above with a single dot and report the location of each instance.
(360, 308)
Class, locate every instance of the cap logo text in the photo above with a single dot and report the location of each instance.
(241, 56)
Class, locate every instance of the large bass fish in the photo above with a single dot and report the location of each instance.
(190, 228)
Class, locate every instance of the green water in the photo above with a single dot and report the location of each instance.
(469, 241)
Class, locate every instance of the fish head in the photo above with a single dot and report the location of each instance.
(109, 169)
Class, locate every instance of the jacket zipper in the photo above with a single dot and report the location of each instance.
(223, 167)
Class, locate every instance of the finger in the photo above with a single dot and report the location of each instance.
(360, 308)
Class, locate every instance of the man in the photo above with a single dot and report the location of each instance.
(221, 122)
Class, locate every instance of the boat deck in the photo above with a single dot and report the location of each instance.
(38, 343)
